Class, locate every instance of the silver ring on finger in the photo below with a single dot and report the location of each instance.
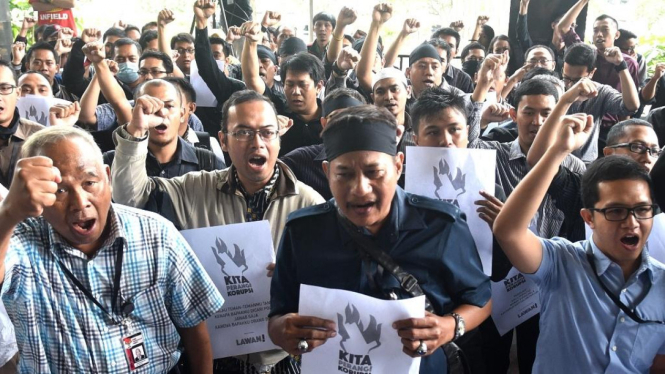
(422, 349)
(303, 346)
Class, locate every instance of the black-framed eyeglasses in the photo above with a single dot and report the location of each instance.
(246, 135)
(572, 81)
(6, 89)
(182, 51)
(629, 50)
(639, 148)
(621, 213)
(539, 61)
(153, 72)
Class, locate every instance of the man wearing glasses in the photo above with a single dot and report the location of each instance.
(602, 299)
(256, 187)
(594, 98)
(14, 130)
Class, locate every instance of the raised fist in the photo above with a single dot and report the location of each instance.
(482, 20)
(33, 188)
(233, 34)
(252, 32)
(382, 12)
(457, 25)
(348, 58)
(346, 16)
(65, 33)
(165, 17)
(659, 71)
(64, 114)
(145, 115)
(411, 25)
(18, 52)
(271, 19)
(94, 52)
(63, 46)
(203, 9)
(91, 35)
(613, 55)
(28, 23)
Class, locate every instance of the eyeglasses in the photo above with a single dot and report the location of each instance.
(571, 81)
(541, 61)
(629, 50)
(6, 89)
(638, 148)
(182, 51)
(248, 135)
(153, 72)
(620, 214)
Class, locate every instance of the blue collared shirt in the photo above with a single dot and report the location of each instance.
(427, 238)
(581, 329)
(58, 329)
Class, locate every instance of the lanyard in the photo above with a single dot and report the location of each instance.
(629, 312)
(128, 308)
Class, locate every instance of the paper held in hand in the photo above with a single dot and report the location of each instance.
(235, 257)
(366, 341)
(456, 176)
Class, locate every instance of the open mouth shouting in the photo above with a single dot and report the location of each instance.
(361, 208)
(429, 82)
(630, 241)
(83, 226)
(161, 129)
(257, 163)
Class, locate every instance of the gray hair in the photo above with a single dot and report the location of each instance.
(51, 136)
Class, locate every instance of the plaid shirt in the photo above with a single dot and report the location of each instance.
(58, 329)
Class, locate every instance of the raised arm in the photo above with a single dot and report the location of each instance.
(511, 228)
(165, 17)
(346, 17)
(33, 188)
(581, 91)
(411, 25)
(382, 12)
(628, 89)
(571, 15)
(649, 90)
(73, 73)
(523, 36)
(108, 84)
(89, 102)
(249, 58)
(491, 68)
(218, 83)
(480, 22)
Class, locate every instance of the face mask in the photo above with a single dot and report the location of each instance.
(471, 67)
(128, 72)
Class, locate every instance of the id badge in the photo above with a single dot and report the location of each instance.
(135, 351)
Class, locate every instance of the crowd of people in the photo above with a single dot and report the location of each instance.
(315, 139)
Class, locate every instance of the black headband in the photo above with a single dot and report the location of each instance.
(375, 136)
(339, 102)
(265, 52)
(422, 51)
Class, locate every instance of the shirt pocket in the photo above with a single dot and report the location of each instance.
(649, 340)
(151, 317)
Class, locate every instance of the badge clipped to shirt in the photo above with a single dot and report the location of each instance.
(135, 350)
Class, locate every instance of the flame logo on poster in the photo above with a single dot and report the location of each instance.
(458, 182)
(34, 116)
(357, 341)
(233, 267)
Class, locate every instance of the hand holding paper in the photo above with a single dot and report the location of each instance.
(433, 330)
(288, 330)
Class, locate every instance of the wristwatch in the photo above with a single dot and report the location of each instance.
(460, 327)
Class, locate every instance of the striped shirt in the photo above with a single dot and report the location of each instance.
(58, 329)
(511, 167)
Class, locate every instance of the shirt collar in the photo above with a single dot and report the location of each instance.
(284, 186)
(115, 233)
(450, 72)
(516, 151)
(603, 262)
(186, 152)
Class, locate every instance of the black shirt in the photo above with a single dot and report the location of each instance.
(306, 163)
(458, 78)
(301, 133)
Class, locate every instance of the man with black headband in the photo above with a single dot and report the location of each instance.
(362, 168)
(425, 70)
(259, 66)
(14, 130)
(306, 162)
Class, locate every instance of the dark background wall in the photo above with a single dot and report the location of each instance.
(541, 14)
(5, 31)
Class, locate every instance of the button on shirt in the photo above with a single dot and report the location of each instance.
(58, 329)
(581, 329)
(427, 238)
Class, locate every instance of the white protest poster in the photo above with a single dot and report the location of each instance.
(365, 342)
(456, 175)
(656, 240)
(204, 97)
(36, 108)
(515, 299)
(235, 257)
